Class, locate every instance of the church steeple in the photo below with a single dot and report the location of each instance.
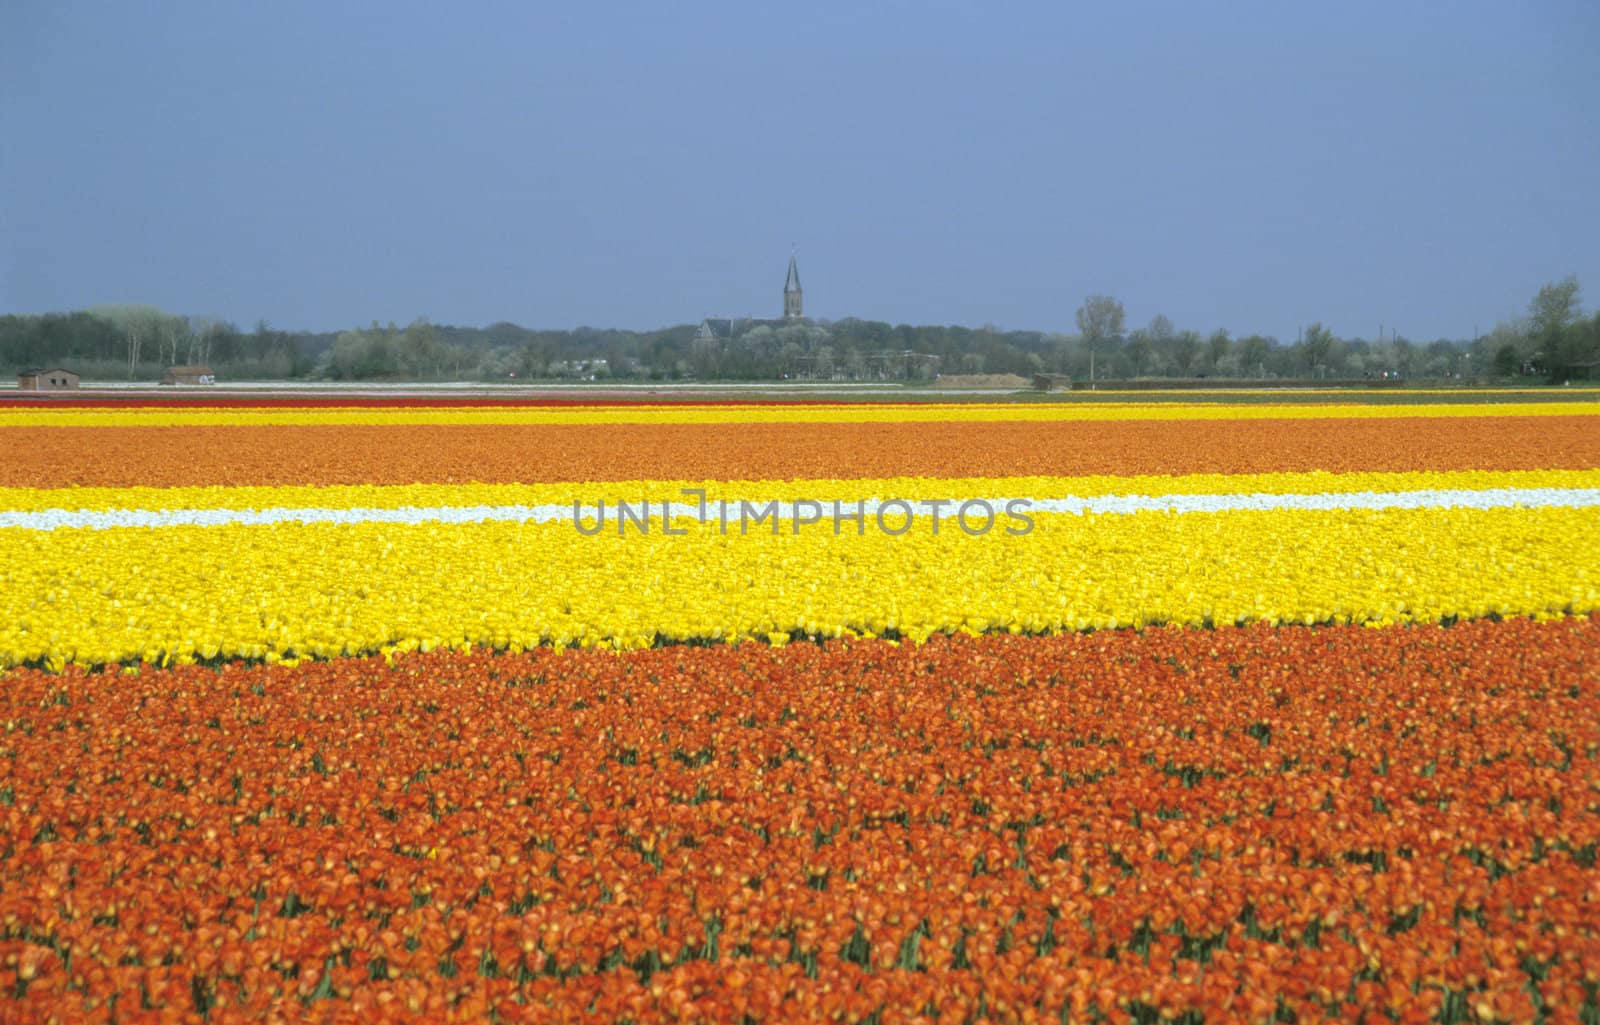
(791, 292)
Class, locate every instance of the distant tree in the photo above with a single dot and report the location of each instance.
(60, 338)
(760, 340)
(365, 354)
(1558, 331)
(455, 357)
(418, 351)
(1219, 349)
(1100, 321)
(208, 338)
(139, 325)
(1587, 346)
(1186, 348)
(1406, 359)
(796, 335)
(1316, 345)
(534, 359)
(1253, 352)
(172, 333)
(1140, 352)
(1156, 348)
(348, 351)
(1507, 346)
(1441, 358)
(1556, 306)
(1576, 352)
(262, 340)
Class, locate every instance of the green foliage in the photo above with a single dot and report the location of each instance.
(138, 342)
(1316, 346)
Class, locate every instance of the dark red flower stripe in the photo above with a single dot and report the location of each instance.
(169, 400)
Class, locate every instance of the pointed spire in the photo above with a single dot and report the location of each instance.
(791, 293)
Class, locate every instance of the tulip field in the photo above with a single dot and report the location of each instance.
(433, 709)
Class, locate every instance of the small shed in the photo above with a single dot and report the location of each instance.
(188, 375)
(47, 380)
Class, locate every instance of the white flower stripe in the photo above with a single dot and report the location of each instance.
(1431, 498)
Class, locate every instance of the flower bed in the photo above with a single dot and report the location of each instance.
(1179, 712)
(1233, 824)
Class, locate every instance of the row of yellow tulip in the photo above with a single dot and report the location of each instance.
(292, 589)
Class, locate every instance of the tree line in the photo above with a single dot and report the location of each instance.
(139, 342)
(1553, 341)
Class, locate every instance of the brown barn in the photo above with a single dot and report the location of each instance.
(188, 375)
(47, 380)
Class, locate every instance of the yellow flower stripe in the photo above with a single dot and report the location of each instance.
(851, 413)
(1354, 394)
(292, 590)
(376, 496)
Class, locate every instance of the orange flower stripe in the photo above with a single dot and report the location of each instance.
(175, 456)
(1180, 825)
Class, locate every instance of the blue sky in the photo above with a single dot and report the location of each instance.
(1254, 166)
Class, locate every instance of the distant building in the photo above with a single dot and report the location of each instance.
(791, 292)
(719, 329)
(47, 380)
(583, 369)
(188, 376)
(725, 329)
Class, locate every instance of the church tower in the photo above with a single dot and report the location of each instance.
(791, 292)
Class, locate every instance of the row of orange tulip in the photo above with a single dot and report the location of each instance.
(199, 455)
(1239, 824)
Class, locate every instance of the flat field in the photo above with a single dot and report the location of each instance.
(597, 707)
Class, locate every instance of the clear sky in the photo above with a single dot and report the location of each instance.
(1254, 166)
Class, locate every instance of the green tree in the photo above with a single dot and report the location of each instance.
(1253, 352)
(1553, 309)
(209, 338)
(362, 355)
(1405, 357)
(1140, 352)
(1186, 352)
(1100, 321)
(1576, 352)
(1558, 331)
(139, 325)
(1315, 348)
(1441, 358)
(1219, 349)
(419, 354)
